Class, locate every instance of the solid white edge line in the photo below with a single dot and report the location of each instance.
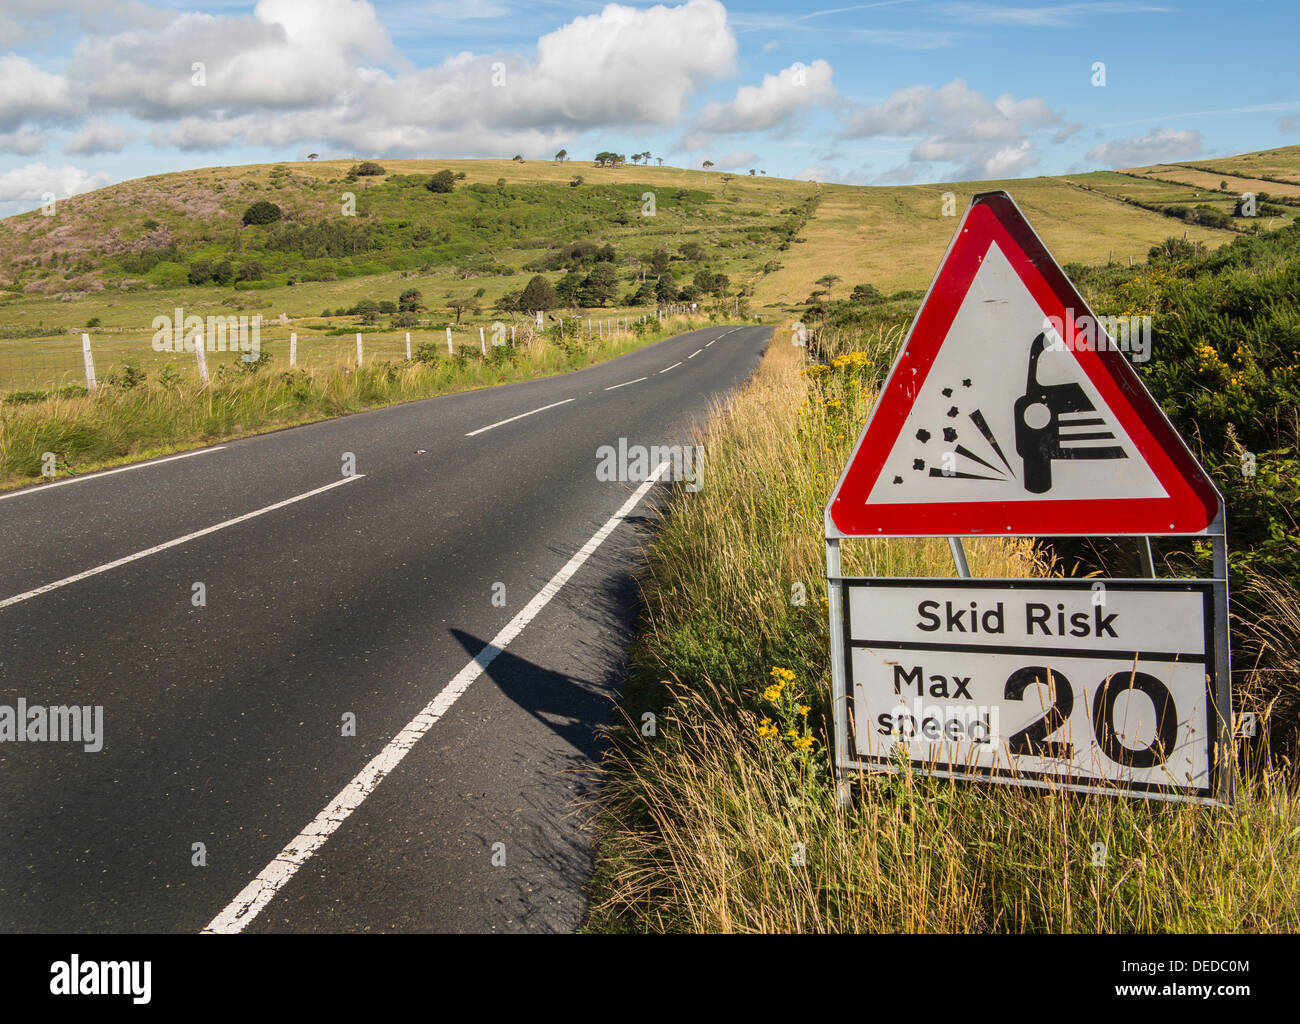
(673, 367)
(502, 423)
(627, 382)
(109, 472)
(172, 543)
(695, 353)
(254, 897)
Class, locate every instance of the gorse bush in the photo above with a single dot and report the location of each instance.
(1225, 367)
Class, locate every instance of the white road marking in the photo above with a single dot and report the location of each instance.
(109, 472)
(254, 897)
(667, 368)
(718, 338)
(519, 417)
(627, 382)
(695, 353)
(171, 543)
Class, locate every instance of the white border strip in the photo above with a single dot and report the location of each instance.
(109, 472)
(254, 897)
(502, 423)
(170, 544)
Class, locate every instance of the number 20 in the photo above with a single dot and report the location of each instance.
(1033, 739)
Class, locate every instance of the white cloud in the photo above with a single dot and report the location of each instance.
(1157, 146)
(1288, 124)
(25, 141)
(737, 159)
(958, 125)
(29, 94)
(25, 187)
(325, 74)
(292, 54)
(99, 135)
(771, 104)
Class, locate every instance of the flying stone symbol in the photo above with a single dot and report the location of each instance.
(984, 467)
(1039, 417)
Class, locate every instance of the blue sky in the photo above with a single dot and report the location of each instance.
(96, 91)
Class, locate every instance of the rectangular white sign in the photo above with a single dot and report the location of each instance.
(1085, 684)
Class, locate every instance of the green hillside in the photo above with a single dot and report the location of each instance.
(612, 240)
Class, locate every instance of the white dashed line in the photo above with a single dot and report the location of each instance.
(627, 382)
(110, 472)
(667, 368)
(502, 423)
(695, 353)
(171, 543)
(261, 890)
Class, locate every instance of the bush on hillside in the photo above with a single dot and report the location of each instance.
(262, 212)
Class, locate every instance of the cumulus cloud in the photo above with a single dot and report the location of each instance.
(1158, 146)
(99, 135)
(25, 141)
(958, 125)
(774, 103)
(29, 94)
(325, 73)
(24, 186)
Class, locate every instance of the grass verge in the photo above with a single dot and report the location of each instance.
(725, 819)
(130, 418)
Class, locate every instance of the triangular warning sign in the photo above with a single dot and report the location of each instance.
(1011, 410)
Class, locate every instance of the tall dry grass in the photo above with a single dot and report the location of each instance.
(164, 413)
(714, 824)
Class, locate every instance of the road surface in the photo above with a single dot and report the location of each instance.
(463, 597)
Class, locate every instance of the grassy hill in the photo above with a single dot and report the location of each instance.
(117, 257)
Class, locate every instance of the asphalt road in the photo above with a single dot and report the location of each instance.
(371, 596)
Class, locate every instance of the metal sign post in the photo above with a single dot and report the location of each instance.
(1114, 686)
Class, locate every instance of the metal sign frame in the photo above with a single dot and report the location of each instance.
(1218, 666)
(846, 765)
(1111, 373)
(850, 760)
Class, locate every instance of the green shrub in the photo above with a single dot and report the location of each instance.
(443, 181)
(262, 212)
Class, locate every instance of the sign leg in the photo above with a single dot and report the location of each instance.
(1148, 560)
(959, 557)
(1223, 673)
(839, 699)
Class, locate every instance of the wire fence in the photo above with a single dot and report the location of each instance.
(73, 361)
